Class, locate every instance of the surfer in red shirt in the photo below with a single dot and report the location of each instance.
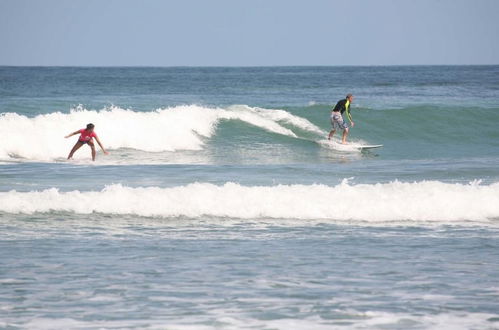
(86, 137)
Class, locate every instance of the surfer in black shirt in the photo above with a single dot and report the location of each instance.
(337, 120)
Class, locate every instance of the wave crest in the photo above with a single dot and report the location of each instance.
(169, 129)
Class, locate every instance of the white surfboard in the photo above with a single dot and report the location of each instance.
(349, 147)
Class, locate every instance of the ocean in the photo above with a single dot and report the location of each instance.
(223, 206)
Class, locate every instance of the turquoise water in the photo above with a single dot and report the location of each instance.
(221, 205)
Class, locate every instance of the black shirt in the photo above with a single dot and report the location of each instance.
(340, 106)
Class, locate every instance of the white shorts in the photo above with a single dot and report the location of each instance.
(337, 121)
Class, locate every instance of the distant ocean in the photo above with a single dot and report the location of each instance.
(222, 206)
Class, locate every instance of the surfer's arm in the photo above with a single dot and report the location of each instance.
(101, 146)
(349, 116)
(74, 133)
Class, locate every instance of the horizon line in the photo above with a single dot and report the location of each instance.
(238, 66)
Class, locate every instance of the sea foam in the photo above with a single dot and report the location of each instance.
(425, 201)
(169, 129)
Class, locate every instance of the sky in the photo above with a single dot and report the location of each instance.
(248, 33)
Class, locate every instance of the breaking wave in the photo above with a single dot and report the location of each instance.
(169, 129)
(418, 201)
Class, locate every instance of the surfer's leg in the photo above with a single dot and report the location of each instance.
(92, 146)
(335, 124)
(75, 147)
(345, 134)
(344, 127)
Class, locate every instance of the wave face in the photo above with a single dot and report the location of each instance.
(169, 129)
(411, 132)
(418, 201)
(421, 123)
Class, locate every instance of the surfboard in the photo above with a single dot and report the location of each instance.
(352, 147)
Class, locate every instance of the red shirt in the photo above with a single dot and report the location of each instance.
(86, 135)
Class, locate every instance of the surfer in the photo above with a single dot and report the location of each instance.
(337, 117)
(86, 137)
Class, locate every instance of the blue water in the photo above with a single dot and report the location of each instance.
(221, 204)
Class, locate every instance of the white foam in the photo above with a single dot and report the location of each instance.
(170, 129)
(283, 116)
(419, 201)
